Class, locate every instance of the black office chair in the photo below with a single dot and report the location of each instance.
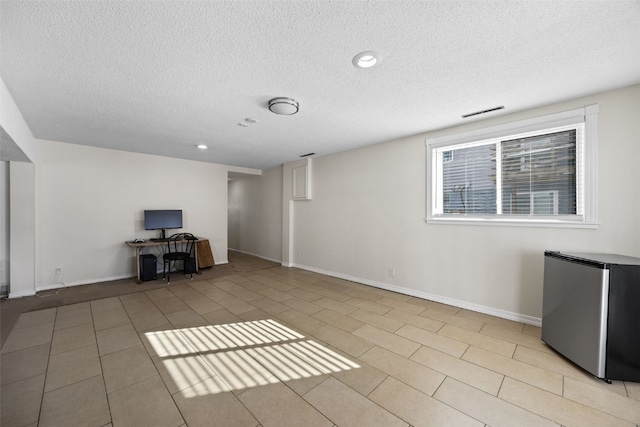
(180, 247)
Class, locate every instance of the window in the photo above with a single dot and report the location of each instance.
(536, 202)
(537, 171)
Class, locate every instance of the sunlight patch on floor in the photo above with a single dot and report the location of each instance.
(236, 356)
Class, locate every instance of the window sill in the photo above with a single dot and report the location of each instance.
(513, 222)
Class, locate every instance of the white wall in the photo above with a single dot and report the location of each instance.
(255, 214)
(289, 204)
(368, 206)
(22, 229)
(91, 200)
(18, 199)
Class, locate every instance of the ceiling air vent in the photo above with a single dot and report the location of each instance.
(464, 116)
(307, 155)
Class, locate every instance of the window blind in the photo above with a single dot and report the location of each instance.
(528, 175)
(539, 174)
(468, 180)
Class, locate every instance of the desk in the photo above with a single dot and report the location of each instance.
(149, 243)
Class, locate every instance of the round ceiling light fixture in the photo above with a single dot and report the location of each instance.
(202, 146)
(283, 106)
(366, 59)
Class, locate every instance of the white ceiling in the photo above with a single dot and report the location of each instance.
(160, 77)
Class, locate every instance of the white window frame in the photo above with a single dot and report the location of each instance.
(586, 170)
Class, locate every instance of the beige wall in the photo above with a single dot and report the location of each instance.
(367, 214)
(91, 200)
(368, 209)
(255, 214)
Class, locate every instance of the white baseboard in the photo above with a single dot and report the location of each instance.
(256, 255)
(21, 294)
(509, 315)
(90, 281)
(81, 282)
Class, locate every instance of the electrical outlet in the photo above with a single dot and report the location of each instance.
(392, 272)
(59, 270)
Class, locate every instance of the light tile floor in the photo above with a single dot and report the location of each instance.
(285, 347)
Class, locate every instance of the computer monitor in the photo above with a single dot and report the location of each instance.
(162, 220)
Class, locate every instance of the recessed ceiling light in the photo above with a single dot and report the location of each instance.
(283, 106)
(243, 124)
(366, 59)
(250, 120)
(202, 146)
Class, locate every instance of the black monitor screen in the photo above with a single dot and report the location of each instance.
(160, 220)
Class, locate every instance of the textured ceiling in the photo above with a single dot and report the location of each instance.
(160, 77)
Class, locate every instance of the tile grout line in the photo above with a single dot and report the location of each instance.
(100, 356)
(44, 383)
(104, 383)
(150, 360)
(513, 353)
(452, 407)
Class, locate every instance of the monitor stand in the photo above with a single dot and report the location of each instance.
(162, 237)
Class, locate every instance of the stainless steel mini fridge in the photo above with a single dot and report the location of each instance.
(591, 312)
